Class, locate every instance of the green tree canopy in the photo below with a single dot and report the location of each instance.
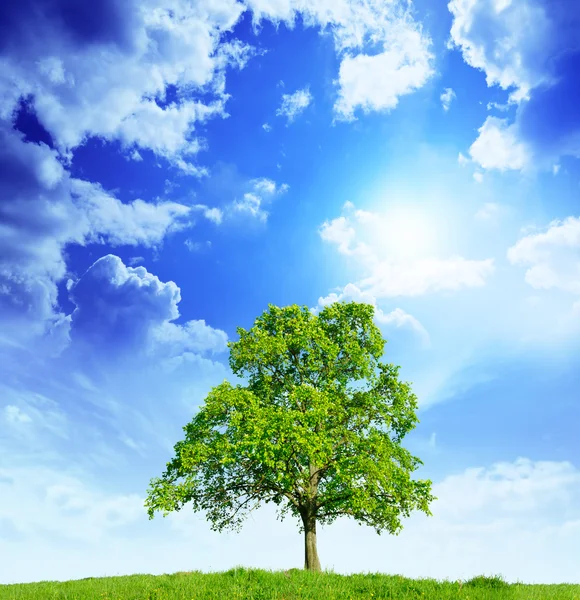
(317, 429)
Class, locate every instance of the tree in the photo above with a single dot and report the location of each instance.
(317, 430)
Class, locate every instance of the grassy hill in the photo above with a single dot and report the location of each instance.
(254, 584)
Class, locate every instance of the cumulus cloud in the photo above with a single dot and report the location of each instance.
(294, 104)
(111, 79)
(138, 223)
(447, 96)
(529, 49)
(198, 337)
(376, 82)
(384, 52)
(122, 309)
(498, 146)
(339, 231)
(117, 304)
(168, 131)
(43, 210)
(412, 276)
(126, 379)
(505, 40)
(261, 191)
(397, 318)
(552, 257)
(106, 73)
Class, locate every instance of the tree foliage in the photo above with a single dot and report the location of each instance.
(317, 429)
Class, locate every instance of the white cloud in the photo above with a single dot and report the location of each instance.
(478, 176)
(504, 40)
(128, 310)
(462, 159)
(488, 212)
(427, 275)
(169, 339)
(294, 104)
(340, 232)
(265, 186)
(376, 82)
(519, 490)
(266, 127)
(124, 352)
(44, 211)
(447, 96)
(482, 520)
(498, 106)
(262, 191)
(251, 204)
(499, 147)
(529, 49)
(138, 223)
(215, 215)
(196, 246)
(400, 63)
(51, 502)
(14, 415)
(552, 257)
(167, 131)
(519, 519)
(399, 318)
(409, 276)
(106, 87)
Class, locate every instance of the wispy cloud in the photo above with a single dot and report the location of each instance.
(294, 104)
(262, 191)
(447, 96)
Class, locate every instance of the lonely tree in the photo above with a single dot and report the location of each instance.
(316, 430)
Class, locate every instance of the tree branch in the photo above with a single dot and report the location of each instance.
(240, 506)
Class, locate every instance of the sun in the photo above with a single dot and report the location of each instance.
(404, 233)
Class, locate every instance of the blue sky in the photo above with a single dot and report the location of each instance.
(168, 168)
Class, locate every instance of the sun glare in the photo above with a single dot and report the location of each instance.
(404, 233)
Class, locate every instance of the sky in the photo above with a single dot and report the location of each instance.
(168, 168)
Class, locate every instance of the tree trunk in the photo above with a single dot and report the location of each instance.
(311, 560)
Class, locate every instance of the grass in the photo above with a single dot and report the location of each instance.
(255, 584)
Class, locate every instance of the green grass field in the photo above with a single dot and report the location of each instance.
(253, 584)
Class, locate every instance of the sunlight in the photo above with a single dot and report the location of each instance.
(404, 232)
